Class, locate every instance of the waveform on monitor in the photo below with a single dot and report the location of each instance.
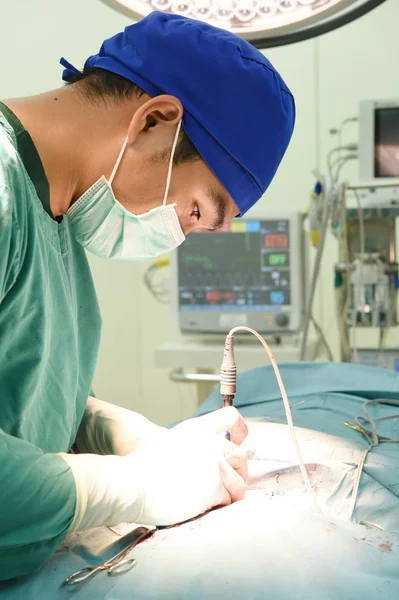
(221, 280)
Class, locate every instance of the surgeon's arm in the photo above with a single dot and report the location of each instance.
(109, 429)
(37, 505)
(167, 480)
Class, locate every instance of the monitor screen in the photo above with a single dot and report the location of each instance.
(245, 266)
(386, 142)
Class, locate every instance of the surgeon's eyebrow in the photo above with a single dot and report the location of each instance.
(220, 207)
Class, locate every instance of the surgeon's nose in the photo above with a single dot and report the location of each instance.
(188, 225)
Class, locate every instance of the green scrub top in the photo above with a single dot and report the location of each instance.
(49, 338)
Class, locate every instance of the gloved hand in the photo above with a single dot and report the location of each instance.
(109, 429)
(169, 479)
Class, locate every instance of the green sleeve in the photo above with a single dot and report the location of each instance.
(37, 489)
(37, 505)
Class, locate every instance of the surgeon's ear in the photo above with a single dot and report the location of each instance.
(164, 109)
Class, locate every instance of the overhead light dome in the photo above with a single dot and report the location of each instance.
(265, 23)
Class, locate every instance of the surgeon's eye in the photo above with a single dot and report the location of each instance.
(196, 212)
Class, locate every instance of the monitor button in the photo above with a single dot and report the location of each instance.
(282, 319)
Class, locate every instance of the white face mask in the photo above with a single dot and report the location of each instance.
(105, 228)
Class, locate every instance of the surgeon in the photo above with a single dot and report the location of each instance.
(173, 125)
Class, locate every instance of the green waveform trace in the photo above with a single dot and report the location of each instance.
(204, 261)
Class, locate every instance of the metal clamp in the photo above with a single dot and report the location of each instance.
(178, 375)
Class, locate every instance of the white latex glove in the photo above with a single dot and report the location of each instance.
(169, 479)
(110, 429)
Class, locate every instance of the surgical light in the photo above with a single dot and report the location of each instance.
(265, 23)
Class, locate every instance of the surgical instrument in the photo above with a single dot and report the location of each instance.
(117, 565)
(365, 432)
(228, 373)
(372, 437)
(228, 377)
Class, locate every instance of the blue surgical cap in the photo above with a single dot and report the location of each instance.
(238, 112)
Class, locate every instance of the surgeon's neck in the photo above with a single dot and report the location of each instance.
(68, 133)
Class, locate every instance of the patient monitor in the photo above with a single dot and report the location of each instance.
(379, 141)
(250, 272)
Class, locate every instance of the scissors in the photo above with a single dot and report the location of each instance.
(116, 565)
(119, 564)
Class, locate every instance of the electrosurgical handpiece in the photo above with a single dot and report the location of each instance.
(228, 376)
(228, 373)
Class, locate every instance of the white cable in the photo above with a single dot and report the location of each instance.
(345, 341)
(361, 224)
(287, 411)
(330, 155)
(315, 273)
(323, 339)
(341, 129)
(157, 290)
(337, 162)
(362, 243)
(371, 436)
(357, 480)
(381, 344)
(348, 147)
(355, 355)
(341, 163)
(373, 440)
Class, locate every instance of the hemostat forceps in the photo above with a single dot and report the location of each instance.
(116, 565)
(367, 434)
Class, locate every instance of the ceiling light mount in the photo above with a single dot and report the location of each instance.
(264, 23)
